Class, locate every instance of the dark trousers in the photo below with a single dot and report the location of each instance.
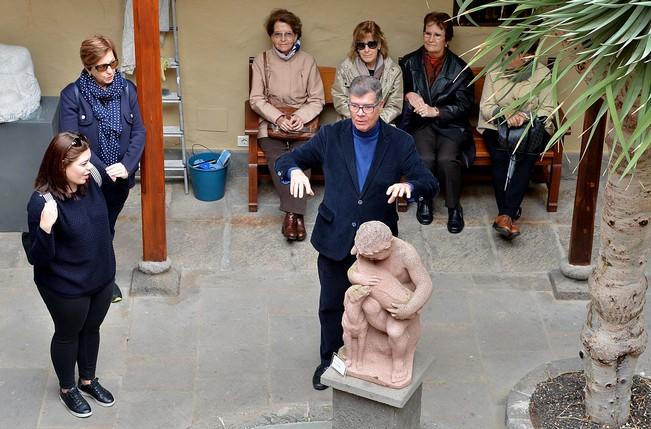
(509, 200)
(115, 202)
(442, 156)
(274, 149)
(76, 332)
(333, 276)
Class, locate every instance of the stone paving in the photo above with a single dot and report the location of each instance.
(239, 344)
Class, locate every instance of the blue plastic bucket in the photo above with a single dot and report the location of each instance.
(207, 177)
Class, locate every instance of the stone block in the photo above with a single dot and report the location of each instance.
(353, 411)
(19, 167)
(19, 387)
(163, 284)
(566, 288)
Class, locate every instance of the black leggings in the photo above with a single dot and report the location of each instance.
(76, 332)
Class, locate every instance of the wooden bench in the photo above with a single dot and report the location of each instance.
(548, 168)
(258, 166)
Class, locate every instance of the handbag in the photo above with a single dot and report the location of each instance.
(515, 141)
(529, 139)
(274, 131)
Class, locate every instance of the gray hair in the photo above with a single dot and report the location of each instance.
(362, 85)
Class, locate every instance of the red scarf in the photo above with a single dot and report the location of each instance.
(433, 66)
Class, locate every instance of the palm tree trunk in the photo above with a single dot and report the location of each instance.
(613, 336)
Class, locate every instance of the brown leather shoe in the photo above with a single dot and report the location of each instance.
(300, 228)
(503, 225)
(515, 231)
(289, 227)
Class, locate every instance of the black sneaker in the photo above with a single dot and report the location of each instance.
(117, 294)
(75, 403)
(95, 390)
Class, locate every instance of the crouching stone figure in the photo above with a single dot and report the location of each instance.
(381, 320)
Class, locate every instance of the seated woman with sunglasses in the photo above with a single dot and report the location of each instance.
(103, 105)
(369, 56)
(74, 263)
(285, 76)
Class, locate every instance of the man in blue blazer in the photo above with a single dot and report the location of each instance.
(363, 160)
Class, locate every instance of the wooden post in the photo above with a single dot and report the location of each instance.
(587, 189)
(147, 42)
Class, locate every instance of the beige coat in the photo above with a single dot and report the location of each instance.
(295, 82)
(499, 92)
(391, 81)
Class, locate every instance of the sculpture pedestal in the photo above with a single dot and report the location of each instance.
(360, 404)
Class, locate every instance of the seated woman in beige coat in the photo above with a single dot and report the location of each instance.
(285, 75)
(369, 56)
(501, 89)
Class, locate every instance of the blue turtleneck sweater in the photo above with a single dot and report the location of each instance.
(365, 144)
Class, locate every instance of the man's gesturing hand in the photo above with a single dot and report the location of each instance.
(299, 184)
(398, 190)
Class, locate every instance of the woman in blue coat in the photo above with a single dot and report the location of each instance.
(103, 106)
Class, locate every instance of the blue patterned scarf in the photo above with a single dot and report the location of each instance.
(106, 109)
(291, 53)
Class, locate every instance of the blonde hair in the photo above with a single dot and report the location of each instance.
(364, 28)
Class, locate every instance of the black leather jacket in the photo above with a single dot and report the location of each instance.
(450, 93)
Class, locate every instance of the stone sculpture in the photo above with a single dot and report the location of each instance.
(20, 94)
(381, 319)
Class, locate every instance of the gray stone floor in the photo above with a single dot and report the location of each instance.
(239, 345)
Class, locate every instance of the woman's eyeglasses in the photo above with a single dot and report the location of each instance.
(283, 36)
(360, 46)
(102, 67)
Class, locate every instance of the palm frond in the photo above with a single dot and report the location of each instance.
(608, 40)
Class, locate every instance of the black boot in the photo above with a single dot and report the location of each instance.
(424, 212)
(455, 219)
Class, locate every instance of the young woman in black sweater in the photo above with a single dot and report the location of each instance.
(74, 264)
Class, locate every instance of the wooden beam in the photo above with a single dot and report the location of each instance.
(147, 42)
(587, 189)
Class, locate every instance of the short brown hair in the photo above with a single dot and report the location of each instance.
(441, 19)
(369, 27)
(94, 48)
(283, 15)
(58, 156)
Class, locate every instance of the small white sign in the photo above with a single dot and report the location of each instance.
(338, 364)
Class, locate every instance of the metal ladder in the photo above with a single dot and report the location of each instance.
(173, 166)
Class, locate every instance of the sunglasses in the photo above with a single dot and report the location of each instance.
(372, 44)
(102, 67)
(77, 141)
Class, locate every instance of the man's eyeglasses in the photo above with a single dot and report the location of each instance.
(372, 44)
(281, 36)
(102, 67)
(365, 108)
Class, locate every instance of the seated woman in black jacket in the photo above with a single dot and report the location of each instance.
(438, 100)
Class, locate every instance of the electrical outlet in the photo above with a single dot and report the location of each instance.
(243, 141)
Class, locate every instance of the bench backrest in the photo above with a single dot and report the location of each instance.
(479, 83)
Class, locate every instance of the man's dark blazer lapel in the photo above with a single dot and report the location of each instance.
(347, 148)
